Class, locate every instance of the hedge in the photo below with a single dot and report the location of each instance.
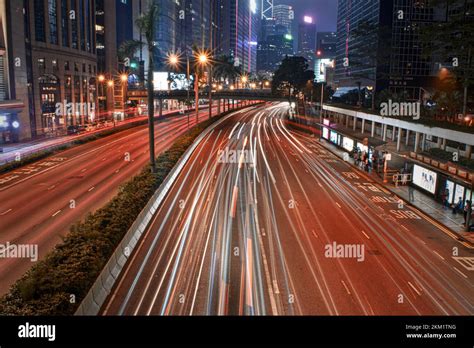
(447, 156)
(72, 267)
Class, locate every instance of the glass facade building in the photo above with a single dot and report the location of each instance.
(387, 52)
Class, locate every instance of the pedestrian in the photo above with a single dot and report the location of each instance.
(445, 198)
(467, 211)
(459, 207)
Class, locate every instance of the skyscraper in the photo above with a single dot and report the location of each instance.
(378, 45)
(326, 44)
(307, 39)
(284, 15)
(241, 25)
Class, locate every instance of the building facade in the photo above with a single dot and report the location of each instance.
(284, 15)
(378, 45)
(240, 23)
(49, 59)
(307, 39)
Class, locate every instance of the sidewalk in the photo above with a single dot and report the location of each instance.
(420, 200)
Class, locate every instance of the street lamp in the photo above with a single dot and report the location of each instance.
(203, 59)
(244, 79)
(173, 60)
(124, 79)
(100, 92)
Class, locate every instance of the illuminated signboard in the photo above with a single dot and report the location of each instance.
(3, 121)
(334, 137)
(348, 144)
(424, 178)
(325, 133)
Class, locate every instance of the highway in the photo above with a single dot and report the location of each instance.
(265, 221)
(39, 202)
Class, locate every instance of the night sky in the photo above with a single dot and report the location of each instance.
(325, 12)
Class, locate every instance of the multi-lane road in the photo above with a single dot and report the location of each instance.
(39, 202)
(264, 220)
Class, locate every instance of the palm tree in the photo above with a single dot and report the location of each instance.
(225, 69)
(146, 24)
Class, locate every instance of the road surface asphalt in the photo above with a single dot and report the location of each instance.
(265, 221)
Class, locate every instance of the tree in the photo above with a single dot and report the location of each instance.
(447, 104)
(225, 69)
(452, 42)
(146, 24)
(292, 76)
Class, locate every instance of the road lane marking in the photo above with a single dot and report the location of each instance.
(56, 213)
(442, 258)
(465, 276)
(90, 189)
(466, 262)
(365, 234)
(415, 289)
(345, 286)
(233, 130)
(118, 170)
(6, 212)
(51, 187)
(406, 229)
(338, 205)
(84, 170)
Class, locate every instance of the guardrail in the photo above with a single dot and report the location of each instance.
(103, 285)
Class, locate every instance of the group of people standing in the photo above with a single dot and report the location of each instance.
(459, 208)
(363, 160)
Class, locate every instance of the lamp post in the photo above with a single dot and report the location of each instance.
(101, 79)
(124, 80)
(110, 84)
(203, 61)
(174, 61)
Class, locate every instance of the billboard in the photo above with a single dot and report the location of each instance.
(164, 81)
(424, 178)
(348, 144)
(325, 133)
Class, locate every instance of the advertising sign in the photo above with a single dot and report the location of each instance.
(334, 137)
(326, 133)
(348, 144)
(424, 178)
